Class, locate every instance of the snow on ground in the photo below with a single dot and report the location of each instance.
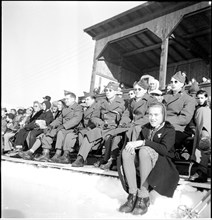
(34, 192)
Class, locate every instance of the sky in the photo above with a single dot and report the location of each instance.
(58, 194)
(45, 50)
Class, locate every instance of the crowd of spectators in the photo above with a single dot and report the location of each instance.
(146, 131)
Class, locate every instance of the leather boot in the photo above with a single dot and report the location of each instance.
(199, 177)
(65, 158)
(141, 206)
(79, 162)
(44, 157)
(56, 157)
(108, 165)
(129, 205)
(26, 155)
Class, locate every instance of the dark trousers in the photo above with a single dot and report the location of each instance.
(32, 137)
(21, 137)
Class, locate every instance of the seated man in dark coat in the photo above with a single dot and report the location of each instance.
(106, 119)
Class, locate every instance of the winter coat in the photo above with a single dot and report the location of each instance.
(164, 176)
(47, 116)
(135, 114)
(180, 109)
(202, 119)
(87, 123)
(70, 117)
(106, 118)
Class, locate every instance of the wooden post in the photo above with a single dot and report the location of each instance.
(93, 76)
(163, 62)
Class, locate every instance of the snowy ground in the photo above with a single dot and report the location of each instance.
(32, 192)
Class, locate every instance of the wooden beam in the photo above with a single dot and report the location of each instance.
(163, 63)
(194, 48)
(197, 34)
(142, 50)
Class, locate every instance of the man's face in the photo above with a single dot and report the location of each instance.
(201, 99)
(54, 109)
(139, 91)
(176, 85)
(110, 93)
(89, 101)
(36, 107)
(59, 105)
(69, 100)
(131, 94)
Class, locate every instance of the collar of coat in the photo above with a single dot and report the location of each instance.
(90, 109)
(146, 97)
(73, 106)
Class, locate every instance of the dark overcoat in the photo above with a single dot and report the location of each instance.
(180, 109)
(164, 176)
(106, 118)
(87, 123)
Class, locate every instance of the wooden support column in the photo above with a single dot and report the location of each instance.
(93, 76)
(163, 62)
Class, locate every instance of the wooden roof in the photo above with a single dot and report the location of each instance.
(135, 16)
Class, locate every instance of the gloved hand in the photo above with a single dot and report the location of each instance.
(60, 127)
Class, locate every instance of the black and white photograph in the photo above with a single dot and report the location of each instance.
(105, 110)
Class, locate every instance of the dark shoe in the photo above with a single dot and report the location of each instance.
(64, 159)
(27, 155)
(129, 205)
(106, 166)
(198, 177)
(55, 158)
(141, 206)
(44, 157)
(79, 162)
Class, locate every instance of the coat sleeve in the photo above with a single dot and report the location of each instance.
(166, 143)
(185, 115)
(96, 117)
(48, 118)
(76, 119)
(58, 121)
(125, 119)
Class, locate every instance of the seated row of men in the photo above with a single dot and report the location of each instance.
(111, 123)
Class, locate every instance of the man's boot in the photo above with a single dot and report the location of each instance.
(141, 206)
(65, 158)
(26, 155)
(44, 157)
(79, 162)
(129, 205)
(56, 157)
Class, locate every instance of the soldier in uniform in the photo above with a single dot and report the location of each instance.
(80, 132)
(106, 119)
(69, 119)
(180, 107)
(130, 124)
